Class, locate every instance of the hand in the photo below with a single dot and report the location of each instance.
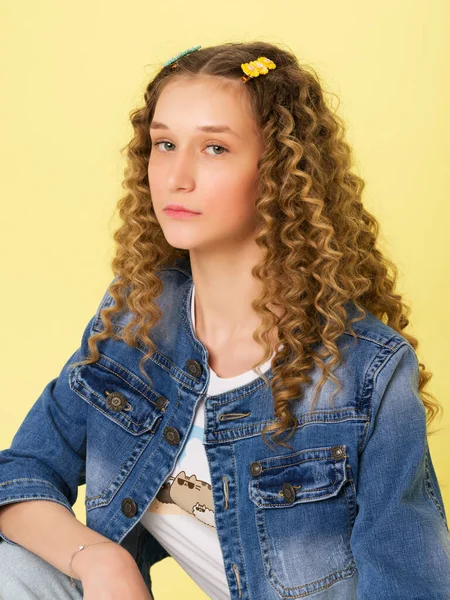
(111, 573)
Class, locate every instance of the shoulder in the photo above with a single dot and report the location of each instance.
(173, 277)
(384, 364)
(374, 338)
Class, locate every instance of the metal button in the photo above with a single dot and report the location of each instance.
(129, 507)
(116, 401)
(161, 401)
(171, 435)
(194, 367)
(288, 493)
(338, 451)
(255, 468)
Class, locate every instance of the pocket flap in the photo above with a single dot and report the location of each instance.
(136, 406)
(305, 476)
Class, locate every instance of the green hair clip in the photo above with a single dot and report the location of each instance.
(175, 58)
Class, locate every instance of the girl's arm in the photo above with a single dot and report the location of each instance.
(400, 538)
(52, 532)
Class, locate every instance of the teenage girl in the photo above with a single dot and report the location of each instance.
(245, 258)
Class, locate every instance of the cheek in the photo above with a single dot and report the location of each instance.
(154, 178)
(157, 187)
(233, 195)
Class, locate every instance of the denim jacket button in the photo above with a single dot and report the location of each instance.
(116, 401)
(337, 451)
(129, 507)
(255, 468)
(171, 435)
(288, 492)
(194, 367)
(161, 401)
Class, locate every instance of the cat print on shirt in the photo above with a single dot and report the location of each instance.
(192, 495)
(188, 494)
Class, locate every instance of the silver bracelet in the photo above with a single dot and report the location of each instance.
(72, 582)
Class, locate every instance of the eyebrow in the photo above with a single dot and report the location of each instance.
(207, 128)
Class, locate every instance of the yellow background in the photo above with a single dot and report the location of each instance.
(72, 71)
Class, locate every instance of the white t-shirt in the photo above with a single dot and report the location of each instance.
(181, 516)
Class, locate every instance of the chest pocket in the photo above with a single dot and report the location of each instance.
(126, 414)
(304, 505)
(119, 395)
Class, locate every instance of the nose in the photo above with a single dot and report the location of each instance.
(181, 172)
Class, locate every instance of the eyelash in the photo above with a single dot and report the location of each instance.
(208, 146)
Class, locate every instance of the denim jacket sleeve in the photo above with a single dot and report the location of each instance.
(400, 538)
(46, 459)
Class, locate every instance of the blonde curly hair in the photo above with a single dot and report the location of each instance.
(319, 242)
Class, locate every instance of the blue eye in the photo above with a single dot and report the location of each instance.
(158, 143)
(208, 146)
(217, 146)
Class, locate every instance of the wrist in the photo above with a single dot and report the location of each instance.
(94, 555)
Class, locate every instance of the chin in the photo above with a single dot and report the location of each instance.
(180, 242)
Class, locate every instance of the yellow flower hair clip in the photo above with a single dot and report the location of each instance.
(257, 67)
(252, 69)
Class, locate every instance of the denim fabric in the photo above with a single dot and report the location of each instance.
(352, 511)
(26, 576)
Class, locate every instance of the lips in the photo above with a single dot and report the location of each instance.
(183, 210)
(179, 208)
(180, 214)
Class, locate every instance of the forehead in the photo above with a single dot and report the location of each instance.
(205, 100)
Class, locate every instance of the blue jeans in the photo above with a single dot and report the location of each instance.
(26, 576)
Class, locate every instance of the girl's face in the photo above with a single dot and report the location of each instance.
(210, 171)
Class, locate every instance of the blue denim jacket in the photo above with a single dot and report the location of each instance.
(353, 511)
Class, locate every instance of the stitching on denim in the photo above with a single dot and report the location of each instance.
(127, 382)
(341, 481)
(31, 479)
(308, 452)
(381, 366)
(377, 342)
(312, 459)
(340, 574)
(236, 495)
(115, 418)
(130, 373)
(160, 440)
(40, 497)
(256, 426)
(430, 492)
(116, 483)
(119, 418)
(351, 508)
